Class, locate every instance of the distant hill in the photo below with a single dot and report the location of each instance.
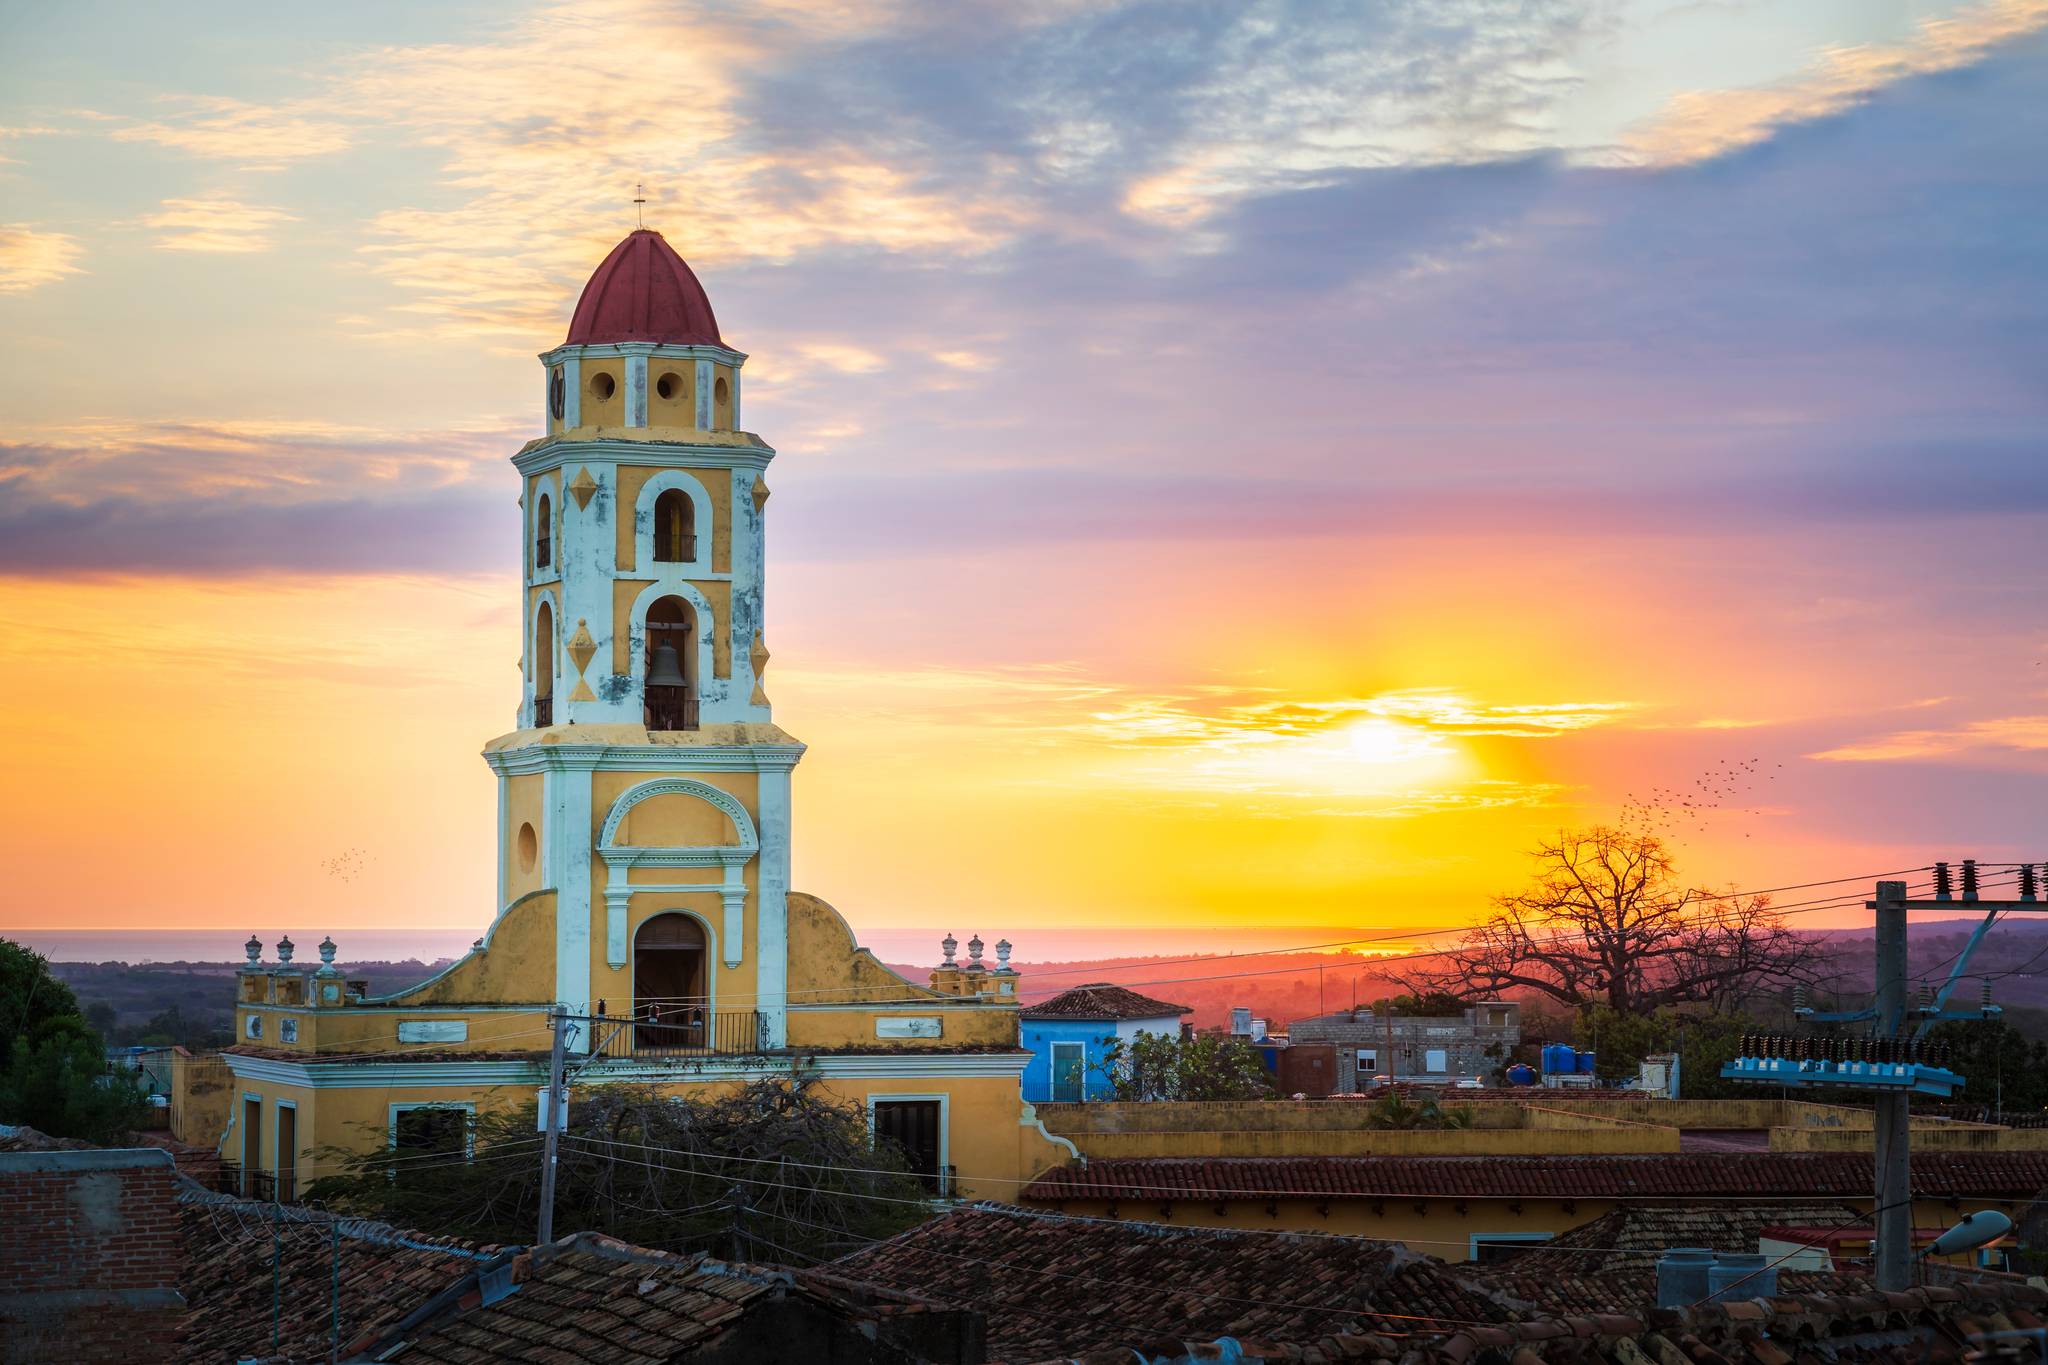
(1277, 987)
(1287, 986)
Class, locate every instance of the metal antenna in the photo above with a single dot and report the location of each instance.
(639, 198)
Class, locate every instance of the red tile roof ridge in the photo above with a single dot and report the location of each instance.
(1632, 1176)
(369, 1230)
(1102, 1000)
(1173, 1231)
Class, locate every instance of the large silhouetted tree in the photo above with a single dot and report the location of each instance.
(1606, 922)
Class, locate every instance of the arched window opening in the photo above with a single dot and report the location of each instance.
(544, 665)
(671, 1003)
(675, 527)
(671, 689)
(544, 534)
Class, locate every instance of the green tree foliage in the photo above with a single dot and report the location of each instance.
(1392, 1113)
(1427, 1005)
(1205, 1066)
(773, 1171)
(1703, 1041)
(2002, 1068)
(53, 1066)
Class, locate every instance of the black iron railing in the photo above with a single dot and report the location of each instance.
(680, 550)
(670, 708)
(677, 1030)
(543, 711)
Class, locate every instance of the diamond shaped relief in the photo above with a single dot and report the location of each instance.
(581, 646)
(583, 487)
(760, 493)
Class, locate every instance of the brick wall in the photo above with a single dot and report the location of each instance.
(90, 1250)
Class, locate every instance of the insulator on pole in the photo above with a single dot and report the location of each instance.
(1799, 995)
(1927, 994)
(2028, 883)
(1943, 891)
(1969, 879)
(1987, 992)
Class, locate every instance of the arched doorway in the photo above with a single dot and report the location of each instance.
(671, 686)
(671, 1000)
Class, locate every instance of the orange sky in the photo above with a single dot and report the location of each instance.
(1253, 489)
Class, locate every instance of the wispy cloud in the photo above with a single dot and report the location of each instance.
(249, 497)
(1703, 124)
(256, 135)
(31, 257)
(2010, 734)
(215, 225)
(844, 357)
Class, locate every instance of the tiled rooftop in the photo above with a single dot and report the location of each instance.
(584, 1305)
(1101, 1000)
(1935, 1323)
(1055, 1286)
(1788, 1175)
(403, 1296)
(234, 1246)
(1609, 1265)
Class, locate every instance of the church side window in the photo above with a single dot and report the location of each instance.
(544, 666)
(675, 527)
(544, 535)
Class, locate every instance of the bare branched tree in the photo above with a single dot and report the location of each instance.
(1607, 922)
(774, 1170)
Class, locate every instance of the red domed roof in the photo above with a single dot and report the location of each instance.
(643, 291)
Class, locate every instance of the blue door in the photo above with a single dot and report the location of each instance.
(1069, 1062)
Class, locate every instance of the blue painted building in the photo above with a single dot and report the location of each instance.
(1069, 1037)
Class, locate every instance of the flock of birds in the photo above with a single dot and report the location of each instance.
(1728, 786)
(346, 865)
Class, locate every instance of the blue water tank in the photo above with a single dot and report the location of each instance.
(1518, 1074)
(1558, 1057)
(1739, 1275)
(1682, 1276)
(1585, 1063)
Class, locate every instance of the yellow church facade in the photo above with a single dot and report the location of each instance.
(643, 822)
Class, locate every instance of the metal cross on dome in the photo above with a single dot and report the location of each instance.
(639, 199)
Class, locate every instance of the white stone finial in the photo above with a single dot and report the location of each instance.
(284, 950)
(974, 953)
(950, 945)
(1002, 955)
(254, 948)
(327, 951)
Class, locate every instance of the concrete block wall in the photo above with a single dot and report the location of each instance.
(91, 1246)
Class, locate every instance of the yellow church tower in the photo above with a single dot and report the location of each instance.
(642, 713)
(643, 813)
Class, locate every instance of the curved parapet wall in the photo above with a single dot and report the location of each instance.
(512, 964)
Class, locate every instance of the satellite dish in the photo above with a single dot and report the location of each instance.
(1977, 1229)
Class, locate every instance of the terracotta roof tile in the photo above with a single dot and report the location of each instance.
(1070, 1285)
(1609, 1265)
(1102, 1000)
(1809, 1175)
(232, 1245)
(1918, 1326)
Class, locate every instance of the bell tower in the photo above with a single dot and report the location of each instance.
(645, 776)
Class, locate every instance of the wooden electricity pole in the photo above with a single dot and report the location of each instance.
(552, 1114)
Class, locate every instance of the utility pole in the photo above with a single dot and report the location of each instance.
(552, 1124)
(1894, 1215)
(1392, 1075)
